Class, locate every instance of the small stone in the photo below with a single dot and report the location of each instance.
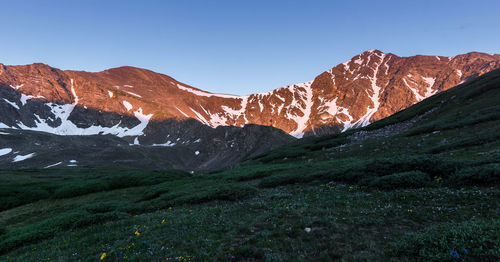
(307, 229)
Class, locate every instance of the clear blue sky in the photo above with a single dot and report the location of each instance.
(237, 46)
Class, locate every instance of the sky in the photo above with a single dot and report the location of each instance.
(237, 46)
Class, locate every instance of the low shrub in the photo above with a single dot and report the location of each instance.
(469, 140)
(104, 207)
(328, 143)
(476, 240)
(80, 188)
(480, 116)
(285, 179)
(479, 175)
(3, 230)
(9, 202)
(432, 165)
(200, 192)
(247, 173)
(410, 179)
(129, 179)
(252, 174)
(48, 228)
(21, 195)
(364, 172)
(284, 152)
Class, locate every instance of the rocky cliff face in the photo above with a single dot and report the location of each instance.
(126, 101)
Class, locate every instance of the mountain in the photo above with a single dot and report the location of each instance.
(126, 101)
(154, 120)
(420, 185)
(195, 147)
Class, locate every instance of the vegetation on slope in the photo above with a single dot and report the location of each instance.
(422, 185)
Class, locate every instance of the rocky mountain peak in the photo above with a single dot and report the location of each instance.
(370, 86)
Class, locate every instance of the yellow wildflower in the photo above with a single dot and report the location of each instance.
(137, 233)
(103, 256)
(163, 221)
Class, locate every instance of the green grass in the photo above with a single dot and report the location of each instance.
(475, 240)
(418, 195)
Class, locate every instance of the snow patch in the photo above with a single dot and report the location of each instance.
(23, 157)
(127, 105)
(5, 151)
(203, 93)
(182, 112)
(217, 120)
(17, 87)
(74, 93)
(358, 61)
(12, 104)
(307, 96)
(168, 143)
(236, 113)
(200, 117)
(430, 81)
(53, 165)
(414, 91)
(370, 111)
(197, 152)
(69, 128)
(134, 94)
(261, 106)
(333, 110)
(24, 98)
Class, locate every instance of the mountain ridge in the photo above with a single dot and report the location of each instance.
(370, 86)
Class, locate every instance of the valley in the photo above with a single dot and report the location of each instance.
(429, 174)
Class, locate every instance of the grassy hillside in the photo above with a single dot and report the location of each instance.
(422, 185)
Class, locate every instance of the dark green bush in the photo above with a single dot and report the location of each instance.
(479, 175)
(80, 188)
(477, 240)
(247, 173)
(466, 141)
(327, 143)
(483, 115)
(21, 195)
(432, 165)
(132, 178)
(9, 202)
(157, 176)
(410, 179)
(364, 172)
(252, 174)
(200, 192)
(3, 230)
(104, 207)
(283, 152)
(50, 227)
(285, 179)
